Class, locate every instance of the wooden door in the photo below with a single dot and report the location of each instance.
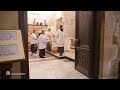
(85, 51)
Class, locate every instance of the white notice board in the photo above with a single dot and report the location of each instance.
(11, 45)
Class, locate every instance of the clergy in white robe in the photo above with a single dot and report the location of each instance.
(60, 40)
(33, 39)
(42, 41)
(48, 37)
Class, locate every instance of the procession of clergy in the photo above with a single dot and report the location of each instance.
(43, 41)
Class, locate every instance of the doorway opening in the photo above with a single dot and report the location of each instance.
(58, 66)
(42, 20)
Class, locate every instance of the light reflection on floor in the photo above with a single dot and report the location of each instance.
(54, 69)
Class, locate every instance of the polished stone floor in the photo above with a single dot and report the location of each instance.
(52, 68)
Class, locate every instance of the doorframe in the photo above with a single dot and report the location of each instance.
(96, 43)
(22, 16)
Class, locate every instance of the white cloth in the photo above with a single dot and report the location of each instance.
(48, 36)
(33, 38)
(42, 42)
(60, 38)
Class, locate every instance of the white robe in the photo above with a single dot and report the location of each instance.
(60, 38)
(42, 42)
(48, 36)
(33, 38)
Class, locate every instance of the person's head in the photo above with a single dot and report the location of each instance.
(34, 31)
(49, 29)
(39, 34)
(61, 27)
(42, 32)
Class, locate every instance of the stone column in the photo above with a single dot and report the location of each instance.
(111, 49)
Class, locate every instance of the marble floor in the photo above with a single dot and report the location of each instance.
(53, 68)
(70, 54)
(36, 56)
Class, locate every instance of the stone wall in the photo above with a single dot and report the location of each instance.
(69, 28)
(40, 16)
(9, 20)
(69, 23)
(111, 50)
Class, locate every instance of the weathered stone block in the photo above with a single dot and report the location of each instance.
(111, 45)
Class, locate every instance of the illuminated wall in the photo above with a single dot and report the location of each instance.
(40, 16)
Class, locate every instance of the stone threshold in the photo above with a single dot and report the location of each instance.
(60, 57)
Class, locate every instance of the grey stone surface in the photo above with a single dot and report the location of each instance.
(111, 45)
(54, 69)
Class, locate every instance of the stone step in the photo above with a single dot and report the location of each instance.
(60, 57)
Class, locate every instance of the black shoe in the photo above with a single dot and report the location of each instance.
(42, 57)
(61, 54)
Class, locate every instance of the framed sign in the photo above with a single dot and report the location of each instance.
(11, 45)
